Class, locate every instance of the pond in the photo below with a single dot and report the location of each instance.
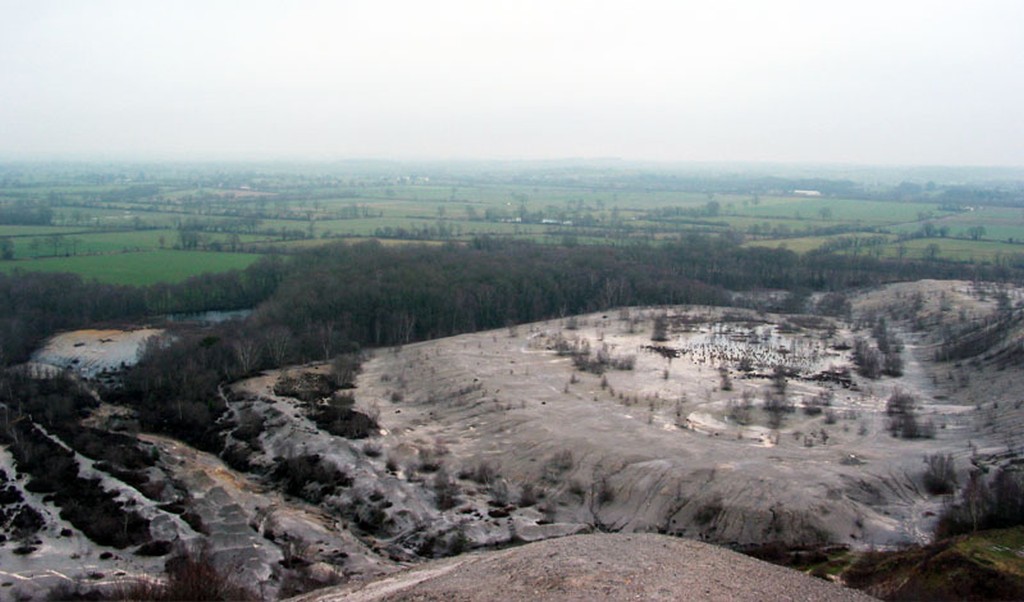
(210, 317)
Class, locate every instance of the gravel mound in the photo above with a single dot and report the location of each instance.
(595, 567)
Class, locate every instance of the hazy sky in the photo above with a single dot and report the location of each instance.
(877, 82)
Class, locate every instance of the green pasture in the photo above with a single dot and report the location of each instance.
(745, 224)
(798, 245)
(843, 210)
(534, 197)
(311, 243)
(107, 217)
(146, 226)
(77, 242)
(33, 231)
(458, 228)
(955, 249)
(803, 244)
(137, 269)
(951, 249)
(999, 223)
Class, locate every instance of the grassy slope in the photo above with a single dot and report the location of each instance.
(984, 566)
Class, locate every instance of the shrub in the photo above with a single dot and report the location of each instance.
(345, 368)
(939, 474)
(484, 473)
(528, 495)
(892, 364)
(499, 492)
(190, 576)
(306, 386)
(660, 331)
(901, 409)
(429, 461)
(868, 359)
(739, 411)
(310, 477)
(726, 382)
(559, 463)
(249, 428)
(708, 512)
(369, 515)
(777, 406)
(604, 492)
(341, 421)
(900, 402)
(446, 491)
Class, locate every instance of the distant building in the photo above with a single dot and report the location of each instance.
(807, 192)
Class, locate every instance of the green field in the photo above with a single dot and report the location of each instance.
(955, 249)
(142, 268)
(99, 216)
(845, 210)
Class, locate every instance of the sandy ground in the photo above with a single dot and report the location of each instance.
(596, 567)
(654, 448)
(91, 352)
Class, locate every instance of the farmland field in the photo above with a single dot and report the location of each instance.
(140, 268)
(105, 222)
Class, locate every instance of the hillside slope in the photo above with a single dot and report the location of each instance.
(592, 567)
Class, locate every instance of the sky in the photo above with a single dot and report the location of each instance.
(894, 82)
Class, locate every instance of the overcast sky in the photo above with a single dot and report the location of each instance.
(871, 82)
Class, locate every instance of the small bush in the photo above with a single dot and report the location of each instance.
(869, 360)
(306, 387)
(528, 495)
(559, 463)
(708, 512)
(249, 428)
(429, 461)
(901, 408)
(659, 332)
(939, 474)
(190, 576)
(499, 492)
(345, 368)
(342, 421)
(446, 490)
(900, 402)
(739, 411)
(484, 473)
(310, 477)
(604, 492)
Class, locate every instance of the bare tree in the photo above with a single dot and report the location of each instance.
(247, 352)
(278, 342)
